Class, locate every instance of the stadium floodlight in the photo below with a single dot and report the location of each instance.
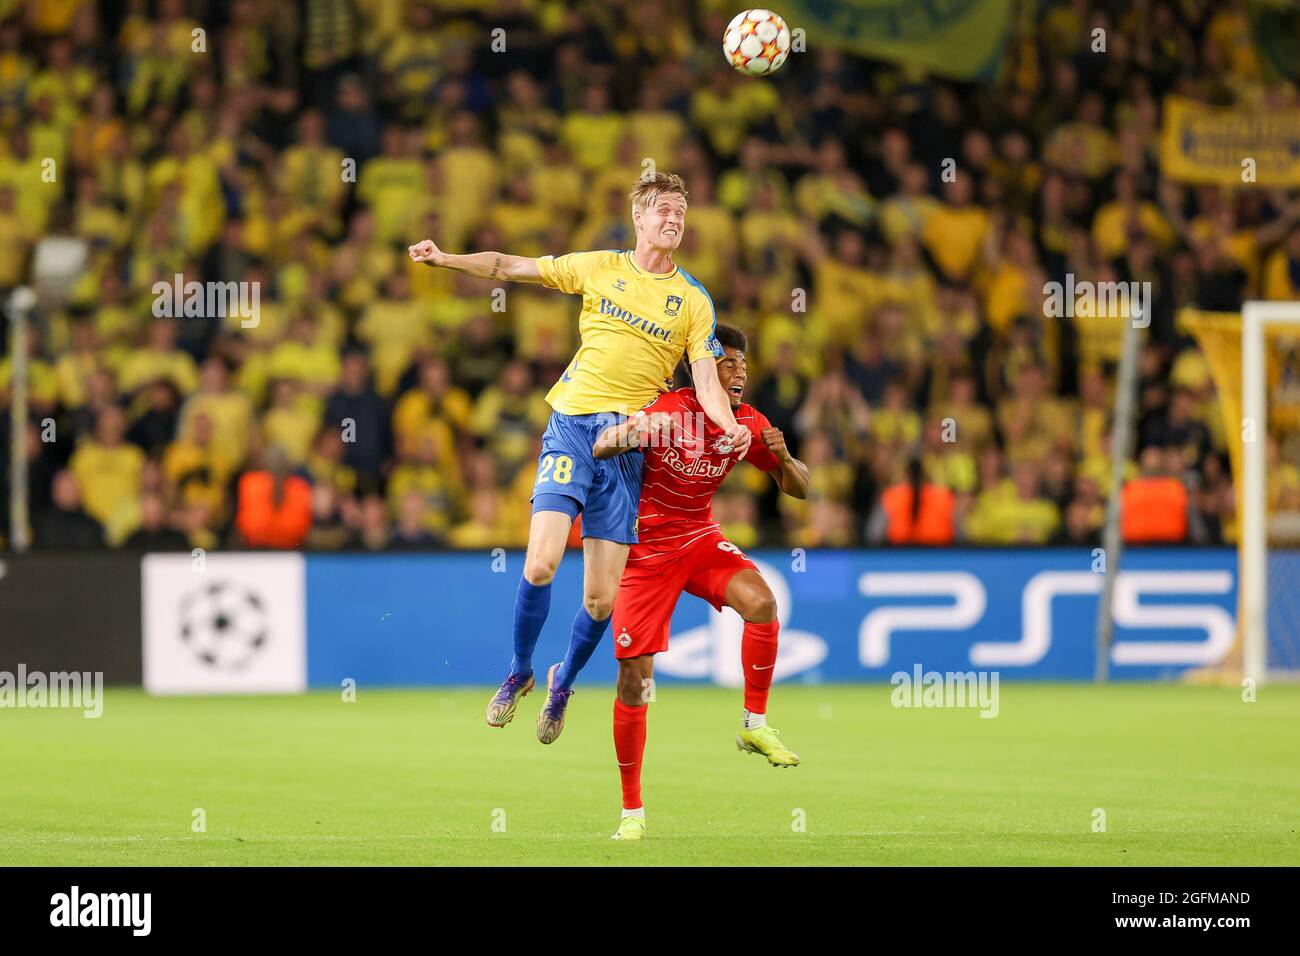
(1257, 604)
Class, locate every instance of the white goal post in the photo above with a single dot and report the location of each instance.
(1253, 573)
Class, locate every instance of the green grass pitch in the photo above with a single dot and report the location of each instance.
(1185, 775)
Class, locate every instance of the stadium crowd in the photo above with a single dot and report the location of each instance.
(882, 236)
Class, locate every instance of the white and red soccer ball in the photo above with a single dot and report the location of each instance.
(756, 42)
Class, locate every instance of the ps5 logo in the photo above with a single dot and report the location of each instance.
(969, 601)
(713, 650)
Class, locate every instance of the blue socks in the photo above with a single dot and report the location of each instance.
(586, 635)
(532, 604)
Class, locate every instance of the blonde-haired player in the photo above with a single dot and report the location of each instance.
(640, 314)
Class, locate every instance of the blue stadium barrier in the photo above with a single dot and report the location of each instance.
(444, 619)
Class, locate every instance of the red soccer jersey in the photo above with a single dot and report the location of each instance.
(680, 476)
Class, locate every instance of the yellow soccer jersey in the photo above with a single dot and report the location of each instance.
(634, 326)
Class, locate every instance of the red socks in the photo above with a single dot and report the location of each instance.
(757, 659)
(629, 745)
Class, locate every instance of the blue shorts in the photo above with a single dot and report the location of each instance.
(607, 493)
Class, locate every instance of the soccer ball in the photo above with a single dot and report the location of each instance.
(224, 624)
(756, 42)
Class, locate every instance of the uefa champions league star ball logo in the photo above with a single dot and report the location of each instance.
(224, 624)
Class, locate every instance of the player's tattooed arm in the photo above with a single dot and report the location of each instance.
(481, 265)
(792, 478)
(635, 432)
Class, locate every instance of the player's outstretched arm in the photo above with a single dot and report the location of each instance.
(792, 478)
(481, 265)
(704, 373)
(634, 432)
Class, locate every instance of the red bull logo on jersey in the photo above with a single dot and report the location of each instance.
(693, 467)
(637, 322)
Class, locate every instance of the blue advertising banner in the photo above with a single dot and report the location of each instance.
(845, 616)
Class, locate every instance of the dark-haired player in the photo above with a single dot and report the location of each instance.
(681, 548)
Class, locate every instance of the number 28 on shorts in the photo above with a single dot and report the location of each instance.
(557, 468)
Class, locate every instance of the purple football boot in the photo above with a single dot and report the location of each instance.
(551, 719)
(501, 709)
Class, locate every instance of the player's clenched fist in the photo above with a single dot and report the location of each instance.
(425, 251)
(775, 442)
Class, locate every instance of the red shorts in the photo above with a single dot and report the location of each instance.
(648, 591)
